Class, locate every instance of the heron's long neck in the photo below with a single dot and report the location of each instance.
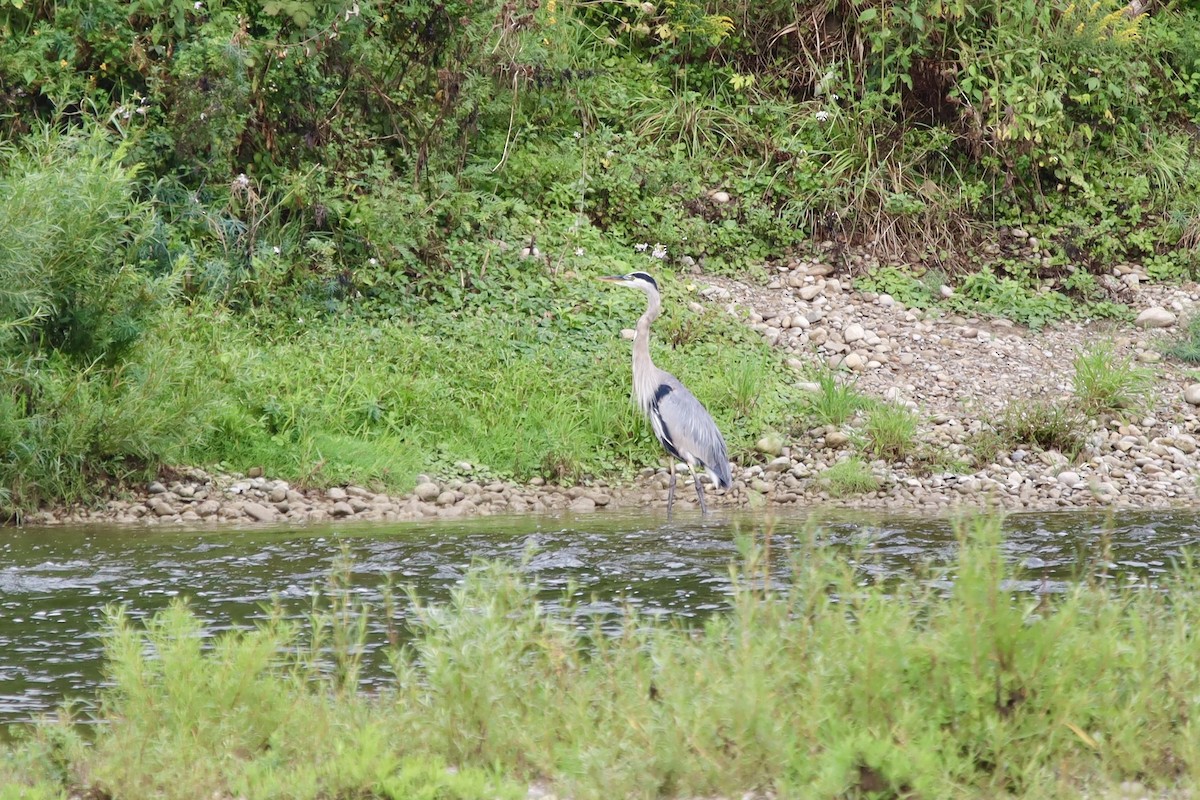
(643, 367)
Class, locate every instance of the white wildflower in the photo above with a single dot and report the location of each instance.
(277, 249)
(660, 251)
(578, 134)
(579, 251)
(374, 262)
(241, 181)
(822, 116)
(641, 247)
(198, 5)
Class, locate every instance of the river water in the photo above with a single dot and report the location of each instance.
(56, 582)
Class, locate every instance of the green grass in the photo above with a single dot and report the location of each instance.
(831, 686)
(385, 400)
(1043, 424)
(836, 401)
(851, 476)
(1186, 346)
(378, 400)
(891, 431)
(1104, 382)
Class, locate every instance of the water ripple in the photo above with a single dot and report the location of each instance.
(55, 584)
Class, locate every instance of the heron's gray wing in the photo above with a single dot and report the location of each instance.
(685, 428)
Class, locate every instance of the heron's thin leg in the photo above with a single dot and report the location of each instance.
(699, 491)
(671, 490)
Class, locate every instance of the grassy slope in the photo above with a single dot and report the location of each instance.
(545, 393)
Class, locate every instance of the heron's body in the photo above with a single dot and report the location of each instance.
(680, 422)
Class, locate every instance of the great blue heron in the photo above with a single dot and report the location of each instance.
(683, 426)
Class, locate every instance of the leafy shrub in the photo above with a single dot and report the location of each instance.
(69, 258)
(902, 285)
(68, 433)
(984, 292)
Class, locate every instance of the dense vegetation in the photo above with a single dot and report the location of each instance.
(349, 240)
(824, 688)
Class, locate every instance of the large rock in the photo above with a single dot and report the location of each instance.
(208, 508)
(1068, 479)
(160, 507)
(427, 491)
(1192, 394)
(771, 444)
(1155, 317)
(836, 439)
(259, 513)
(854, 361)
(781, 464)
(580, 504)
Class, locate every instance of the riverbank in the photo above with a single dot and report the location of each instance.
(958, 376)
(412, 288)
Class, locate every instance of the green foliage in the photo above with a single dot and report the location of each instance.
(380, 171)
(852, 476)
(1186, 344)
(74, 233)
(230, 700)
(891, 431)
(1042, 424)
(903, 286)
(1104, 382)
(835, 402)
(68, 433)
(248, 713)
(984, 292)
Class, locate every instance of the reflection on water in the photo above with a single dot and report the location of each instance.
(55, 583)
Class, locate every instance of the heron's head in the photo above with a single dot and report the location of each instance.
(636, 280)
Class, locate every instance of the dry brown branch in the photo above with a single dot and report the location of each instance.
(1138, 7)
